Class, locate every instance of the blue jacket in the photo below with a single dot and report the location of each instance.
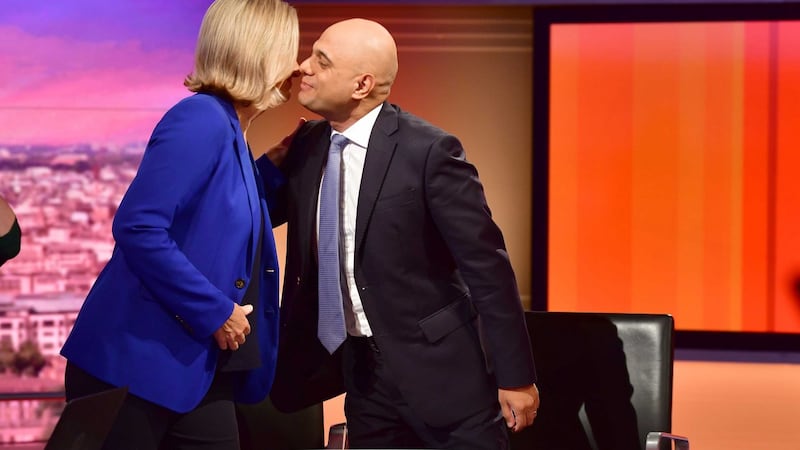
(185, 232)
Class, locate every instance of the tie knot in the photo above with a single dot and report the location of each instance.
(338, 141)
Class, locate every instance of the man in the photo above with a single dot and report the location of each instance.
(426, 278)
(10, 233)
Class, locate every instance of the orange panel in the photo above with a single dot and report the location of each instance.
(563, 217)
(654, 178)
(592, 166)
(604, 168)
(756, 310)
(661, 178)
(692, 67)
(720, 196)
(787, 198)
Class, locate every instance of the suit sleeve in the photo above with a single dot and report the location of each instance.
(458, 206)
(274, 183)
(178, 161)
(275, 179)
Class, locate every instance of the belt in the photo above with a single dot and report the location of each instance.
(364, 342)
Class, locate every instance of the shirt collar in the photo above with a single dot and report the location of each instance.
(359, 132)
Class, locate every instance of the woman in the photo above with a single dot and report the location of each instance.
(168, 315)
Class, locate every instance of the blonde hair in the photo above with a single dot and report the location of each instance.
(245, 50)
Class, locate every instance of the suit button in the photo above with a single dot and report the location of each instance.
(298, 281)
(239, 283)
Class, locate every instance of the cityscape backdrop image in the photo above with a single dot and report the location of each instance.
(82, 85)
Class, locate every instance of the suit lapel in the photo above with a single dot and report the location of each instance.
(382, 145)
(308, 192)
(244, 158)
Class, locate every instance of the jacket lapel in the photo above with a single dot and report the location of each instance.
(308, 193)
(248, 176)
(382, 145)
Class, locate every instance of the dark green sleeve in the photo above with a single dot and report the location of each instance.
(9, 243)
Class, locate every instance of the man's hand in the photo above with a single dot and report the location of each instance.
(233, 332)
(278, 152)
(519, 406)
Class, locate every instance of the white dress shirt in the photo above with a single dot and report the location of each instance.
(353, 157)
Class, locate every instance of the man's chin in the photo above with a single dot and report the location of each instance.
(305, 100)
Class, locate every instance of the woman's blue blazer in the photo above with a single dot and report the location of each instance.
(185, 234)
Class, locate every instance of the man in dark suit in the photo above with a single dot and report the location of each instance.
(436, 353)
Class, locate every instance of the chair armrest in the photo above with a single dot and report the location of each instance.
(657, 440)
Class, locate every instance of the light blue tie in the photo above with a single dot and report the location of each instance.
(331, 327)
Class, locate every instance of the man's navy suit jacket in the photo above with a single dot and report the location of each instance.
(429, 260)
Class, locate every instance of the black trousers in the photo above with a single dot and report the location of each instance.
(143, 425)
(379, 417)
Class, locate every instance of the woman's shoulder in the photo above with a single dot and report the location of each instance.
(202, 103)
(202, 112)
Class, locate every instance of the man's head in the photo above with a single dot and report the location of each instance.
(350, 71)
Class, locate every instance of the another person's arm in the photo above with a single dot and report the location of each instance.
(273, 167)
(10, 233)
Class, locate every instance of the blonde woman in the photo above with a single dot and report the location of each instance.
(185, 313)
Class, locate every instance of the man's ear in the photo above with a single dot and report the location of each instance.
(364, 85)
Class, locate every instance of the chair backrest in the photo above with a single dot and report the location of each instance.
(263, 427)
(605, 380)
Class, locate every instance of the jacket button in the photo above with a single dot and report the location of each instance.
(239, 283)
(298, 281)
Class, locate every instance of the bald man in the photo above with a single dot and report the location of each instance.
(10, 234)
(437, 354)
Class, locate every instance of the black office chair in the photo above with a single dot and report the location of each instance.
(262, 427)
(605, 382)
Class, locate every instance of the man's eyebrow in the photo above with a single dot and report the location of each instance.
(323, 55)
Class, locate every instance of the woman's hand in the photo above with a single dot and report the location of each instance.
(233, 332)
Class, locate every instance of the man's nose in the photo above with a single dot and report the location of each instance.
(305, 67)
